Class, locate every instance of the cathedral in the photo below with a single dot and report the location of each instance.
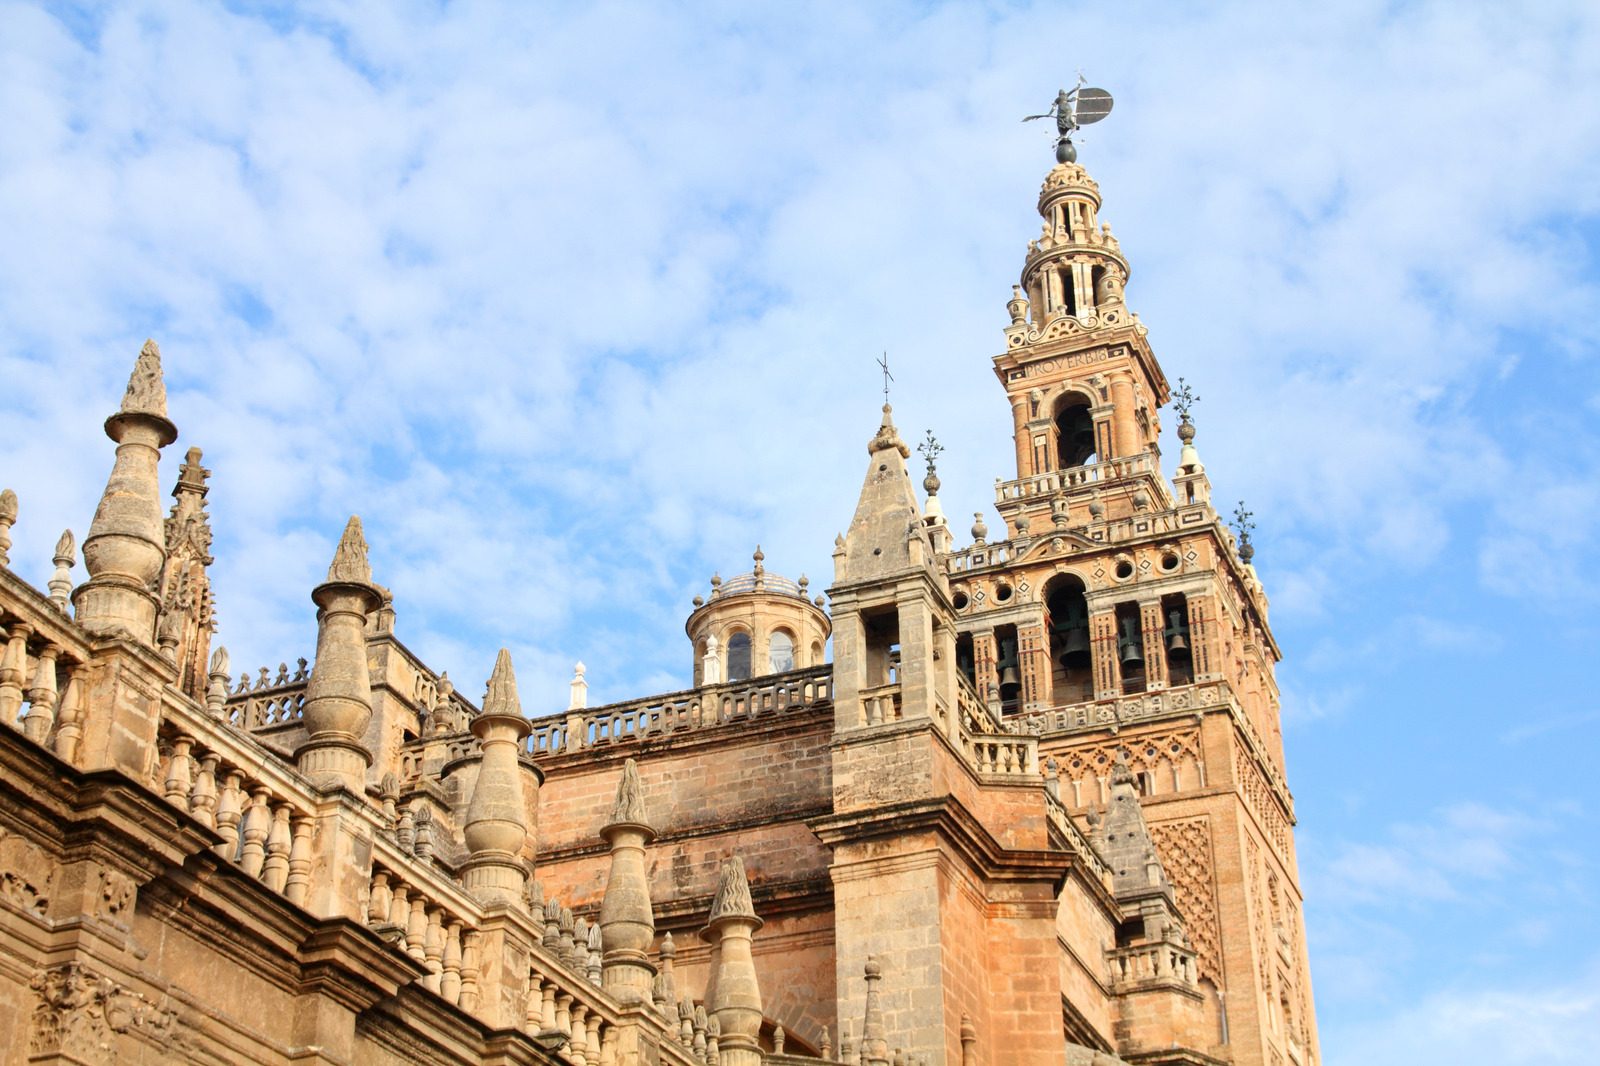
(1033, 810)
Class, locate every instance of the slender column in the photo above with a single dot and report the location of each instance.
(13, 672)
(1151, 625)
(1103, 653)
(299, 881)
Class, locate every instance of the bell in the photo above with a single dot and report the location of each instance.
(1009, 676)
(1075, 650)
(1177, 636)
(1132, 650)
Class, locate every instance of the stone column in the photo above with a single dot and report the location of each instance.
(627, 922)
(339, 694)
(1124, 428)
(733, 995)
(986, 674)
(1034, 661)
(125, 548)
(495, 827)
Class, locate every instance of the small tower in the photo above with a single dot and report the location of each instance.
(757, 623)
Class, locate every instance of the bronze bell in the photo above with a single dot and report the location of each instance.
(1132, 645)
(1177, 636)
(1009, 676)
(1075, 650)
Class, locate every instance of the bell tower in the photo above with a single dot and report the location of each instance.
(1117, 618)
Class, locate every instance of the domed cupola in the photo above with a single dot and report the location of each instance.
(754, 624)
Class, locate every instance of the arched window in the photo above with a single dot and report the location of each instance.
(1075, 444)
(1067, 614)
(780, 652)
(739, 657)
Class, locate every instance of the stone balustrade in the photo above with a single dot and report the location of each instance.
(881, 704)
(1076, 477)
(700, 708)
(1143, 963)
(42, 656)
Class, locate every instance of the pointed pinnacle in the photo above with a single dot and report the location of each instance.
(147, 392)
(8, 505)
(629, 808)
(350, 558)
(502, 698)
(733, 892)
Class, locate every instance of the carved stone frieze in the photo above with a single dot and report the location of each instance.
(27, 874)
(85, 1015)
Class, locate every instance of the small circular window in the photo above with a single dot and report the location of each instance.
(1002, 592)
(1124, 570)
(960, 600)
(1169, 561)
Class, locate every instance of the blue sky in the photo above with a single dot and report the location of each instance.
(575, 305)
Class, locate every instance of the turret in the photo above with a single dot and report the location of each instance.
(754, 624)
(124, 550)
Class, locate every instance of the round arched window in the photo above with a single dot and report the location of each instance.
(780, 652)
(738, 656)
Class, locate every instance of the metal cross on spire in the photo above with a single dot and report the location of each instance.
(883, 364)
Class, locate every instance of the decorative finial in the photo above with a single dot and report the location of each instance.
(8, 518)
(629, 806)
(1072, 110)
(733, 892)
(350, 557)
(147, 392)
(60, 584)
(501, 697)
(980, 530)
(929, 450)
(1244, 525)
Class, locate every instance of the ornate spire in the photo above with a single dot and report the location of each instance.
(877, 542)
(338, 703)
(188, 612)
(627, 922)
(733, 893)
(496, 826)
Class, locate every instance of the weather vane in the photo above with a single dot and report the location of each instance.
(1244, 523)
(930, 449)
(1074, 109)
(1183, 400)
(883, 364)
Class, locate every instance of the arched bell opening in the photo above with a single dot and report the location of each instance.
(1074, 427)
(1130, 649)
(1176, 639)
(1067, 622)
(1008, 663)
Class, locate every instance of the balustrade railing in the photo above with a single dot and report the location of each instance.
(1150, 962)
(1074, 477)
(693, 709)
